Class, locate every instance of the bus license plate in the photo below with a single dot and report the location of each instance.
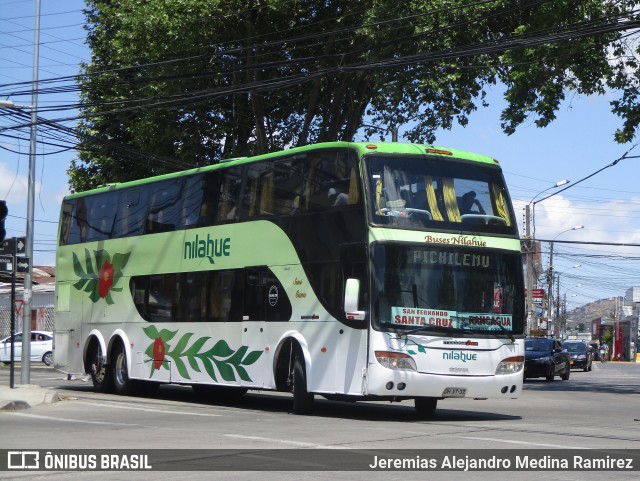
(454, 392)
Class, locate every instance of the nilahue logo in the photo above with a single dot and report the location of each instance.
(460, 356)
(206, 248)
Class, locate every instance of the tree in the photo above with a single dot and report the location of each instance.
(174, 84)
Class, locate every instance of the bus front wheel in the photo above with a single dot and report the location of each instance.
(302, 399)
(426, 406)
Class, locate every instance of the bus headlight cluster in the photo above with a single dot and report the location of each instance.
(510, 365)
(396, 360)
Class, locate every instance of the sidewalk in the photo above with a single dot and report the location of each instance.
(25, 396)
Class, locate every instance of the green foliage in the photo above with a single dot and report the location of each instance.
(181, 83)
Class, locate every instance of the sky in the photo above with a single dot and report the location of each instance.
(578, 143)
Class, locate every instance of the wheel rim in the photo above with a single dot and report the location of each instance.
(97, 368)
(48, 359)
(121, 369)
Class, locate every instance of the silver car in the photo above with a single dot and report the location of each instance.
(41, 347)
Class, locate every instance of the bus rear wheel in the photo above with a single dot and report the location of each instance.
(302, 399)
(121, 382)
(98, 369)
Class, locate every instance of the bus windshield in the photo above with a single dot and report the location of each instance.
(447, 289)
(418, 192)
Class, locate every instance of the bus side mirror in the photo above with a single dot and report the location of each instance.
(351, 294)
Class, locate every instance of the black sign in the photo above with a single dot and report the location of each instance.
(22, 264)
(19, 243)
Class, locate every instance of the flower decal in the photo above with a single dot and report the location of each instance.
(100, 273)
(217, 360)
(158, 352)
(106, 279)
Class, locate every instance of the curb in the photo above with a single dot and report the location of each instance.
(25, 397)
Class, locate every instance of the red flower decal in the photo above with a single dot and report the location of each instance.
(158, 352)
(106, 279)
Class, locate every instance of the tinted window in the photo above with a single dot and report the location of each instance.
(131, 213)
(228, 196)
(165, 206)
(331, 179)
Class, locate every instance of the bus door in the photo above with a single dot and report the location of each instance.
(265, 304)
(352, 340)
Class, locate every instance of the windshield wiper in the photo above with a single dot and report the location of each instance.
(505, 331)
(429, 327)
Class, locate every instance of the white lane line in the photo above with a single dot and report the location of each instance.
(512, 441)
(151, 410)
(279, 441)
(66, 420)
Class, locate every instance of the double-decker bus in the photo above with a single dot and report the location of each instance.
(356, 271)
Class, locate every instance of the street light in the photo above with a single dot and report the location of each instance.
(533, 201)
(531, 206)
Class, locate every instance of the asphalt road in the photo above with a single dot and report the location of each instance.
(597, 410)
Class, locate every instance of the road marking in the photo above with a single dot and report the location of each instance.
(511, 441)
(66, 420)
(280, 441)
(151, 410)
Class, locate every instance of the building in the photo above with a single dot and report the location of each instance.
(42, 301)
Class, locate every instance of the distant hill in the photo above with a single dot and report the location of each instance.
(604, 308)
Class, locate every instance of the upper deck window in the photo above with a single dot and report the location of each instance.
(431, 192)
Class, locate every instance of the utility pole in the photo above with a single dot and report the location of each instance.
(25, 372)
(550, 285)
(529, 258)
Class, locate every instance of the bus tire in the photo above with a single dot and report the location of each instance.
(121, 382)
(98, 369)
(302, 399)
(425, 406)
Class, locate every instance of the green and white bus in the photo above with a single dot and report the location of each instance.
(353, 271)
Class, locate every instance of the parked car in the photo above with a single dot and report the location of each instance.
(41, 347)
(545, 357)
(580, 355)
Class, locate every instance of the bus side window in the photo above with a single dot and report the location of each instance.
(331, 180)
(68, 235)
(287, 188)
(101, 211)
(164, 211)
(228, 192)
(210, 199)
(130, 215)
(255, 195)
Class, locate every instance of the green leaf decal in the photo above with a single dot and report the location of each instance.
(219, 360)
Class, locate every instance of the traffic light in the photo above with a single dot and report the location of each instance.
(3, 215)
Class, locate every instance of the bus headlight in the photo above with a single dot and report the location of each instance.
(510, 365)
(396, 360)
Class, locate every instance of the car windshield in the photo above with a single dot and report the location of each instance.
(537, 344)
(431, 192)
(447, 289)
(575, 346)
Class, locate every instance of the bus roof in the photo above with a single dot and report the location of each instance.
(361, 147)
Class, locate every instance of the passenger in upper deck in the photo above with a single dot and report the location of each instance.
(466, 203)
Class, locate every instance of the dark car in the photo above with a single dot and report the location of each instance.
(580, 355)
(545, 357)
